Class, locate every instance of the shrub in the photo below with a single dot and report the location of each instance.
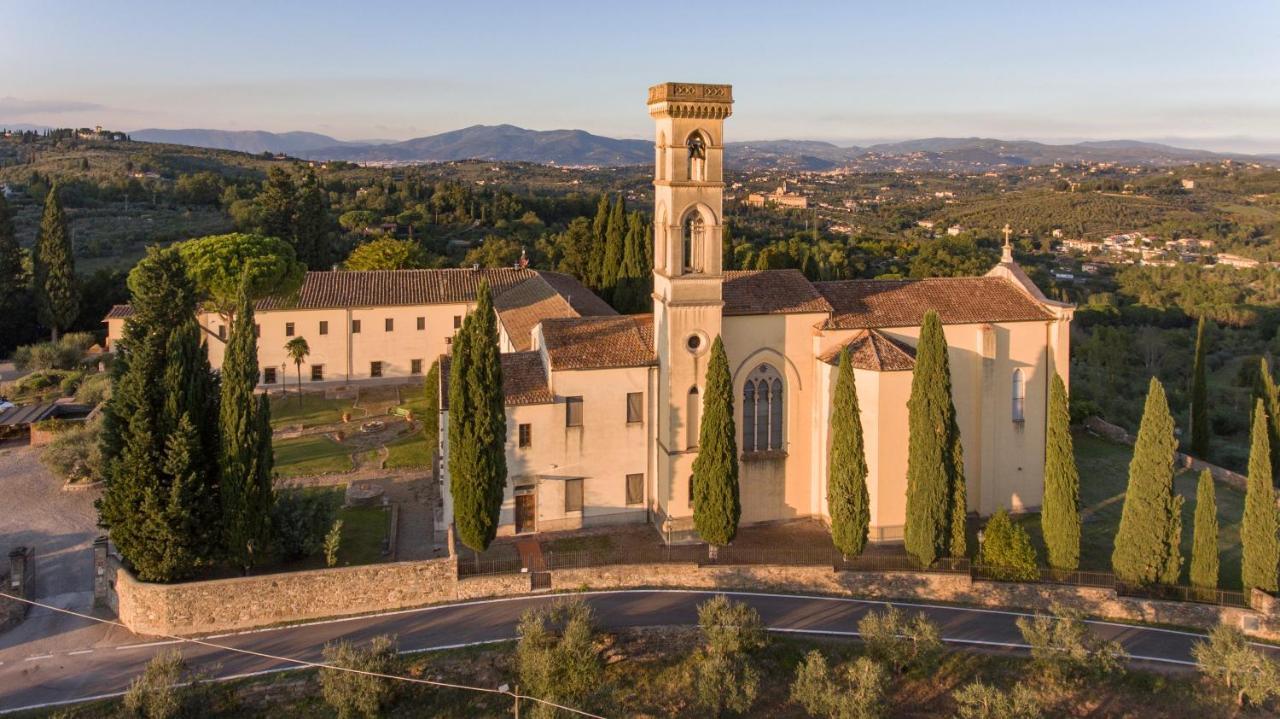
(1063, 648)
(70, 383)
(977, 700)
(857, 692)
(724, 675)
(359, 695)
(1006, 550)
(1228, 660)
(300, 521)
(332, 543)
(556, 657)
(156, 694)
(94, 389)
(74, 453)
(899, 642)
(64, 354)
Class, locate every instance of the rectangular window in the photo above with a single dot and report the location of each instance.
(573, 495)
(317, 373)
(288, 329)
(390, 324)
(635, 488)
(222, 332)
(526, 435)
(422, 323)
(415, 366)
(355, 327)
(375, 369)
(457, 321)
(269, 375)
(448, 341)
(635, 407)
(573, 411)
(257, 330)
(324, 327)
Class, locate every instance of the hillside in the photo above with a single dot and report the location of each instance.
(252, 141)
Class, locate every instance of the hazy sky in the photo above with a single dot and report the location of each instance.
(1205, 72)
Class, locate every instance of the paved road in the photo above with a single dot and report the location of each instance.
(26, 680)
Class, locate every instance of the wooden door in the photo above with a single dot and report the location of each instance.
(526, 512)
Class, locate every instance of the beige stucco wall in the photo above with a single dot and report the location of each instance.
(603, 451)
(347, 356)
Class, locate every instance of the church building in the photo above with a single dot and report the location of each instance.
(603, 411)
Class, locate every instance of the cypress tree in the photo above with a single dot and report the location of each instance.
(1060, 515)
(54, 269)
(614, 249)
(936, 503)
(159, 428)
(631, 294)
(717, 506)
(1265, 389)
(477, 427)
(595, 258)
(13, 283)
(246, 463)
(848, 500)
(311, 224)
(1259, 546)
(278, 201)
(1204, 545)
(1147, 543)
(1199, 398)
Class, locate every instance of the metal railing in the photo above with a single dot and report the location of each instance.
(1180, 593)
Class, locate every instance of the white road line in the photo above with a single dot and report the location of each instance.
(78, 652)
(38, 657)
(150, 644)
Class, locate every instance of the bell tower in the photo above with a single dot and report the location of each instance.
(688, 189)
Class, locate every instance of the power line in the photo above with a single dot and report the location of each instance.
(306, 664)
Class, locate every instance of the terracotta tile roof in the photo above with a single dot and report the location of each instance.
(343, 288)
(119, 312)
(871, 350)
(770, 292)
(547, 295)
(523, 380)
(862, 304)
(585, 302)
(598, 342)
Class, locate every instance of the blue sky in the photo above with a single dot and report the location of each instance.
(1206, 73)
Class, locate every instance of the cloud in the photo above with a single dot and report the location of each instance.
(18, 107)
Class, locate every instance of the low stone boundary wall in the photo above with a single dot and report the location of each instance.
(257, 601)
(1119, 434)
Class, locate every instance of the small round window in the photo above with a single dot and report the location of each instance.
(694, 343)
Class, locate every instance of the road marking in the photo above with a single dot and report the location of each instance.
(38, 657)
(150, 644)
(78, 652)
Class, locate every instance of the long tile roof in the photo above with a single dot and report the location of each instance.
(546, 295)
(382, 288)
(863, 304)
(871, 350)
(770, 292)
(598, 342)
(524, 381)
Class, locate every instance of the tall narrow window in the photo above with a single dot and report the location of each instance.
(691, 244)
(573, 495)
(635, 489)
(288, 329)
(324, 327)
(573, 411)
(693, 411)
(697, 158)
(635, 407)
(1019, 396)
(764, 410)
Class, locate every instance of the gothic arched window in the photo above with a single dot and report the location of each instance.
(693, 232)
(1019, 396)
(697, 158)
(764, 409)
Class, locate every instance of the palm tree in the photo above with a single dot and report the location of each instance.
(298, 351)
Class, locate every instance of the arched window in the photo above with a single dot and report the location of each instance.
(764, 410)
(659, 160)
(697, 158)
(693, 232)
(1019, 396)
(693, 411)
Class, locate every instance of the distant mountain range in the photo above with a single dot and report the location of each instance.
(578, 147)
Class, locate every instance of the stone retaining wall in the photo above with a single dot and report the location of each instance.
(258, 601)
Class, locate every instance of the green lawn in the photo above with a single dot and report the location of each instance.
(410, 451)
(312, 411)
(363, 531)
(314, 454)
(1104, 474)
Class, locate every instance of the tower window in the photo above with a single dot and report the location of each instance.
(763, 411)
(1019, 396)
(693, 412)
(697, 158)
(693, 238)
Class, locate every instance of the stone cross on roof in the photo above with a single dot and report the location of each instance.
(1006, 254)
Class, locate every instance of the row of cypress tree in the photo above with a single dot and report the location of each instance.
(620, 258)
(52, 286)
(187, 451)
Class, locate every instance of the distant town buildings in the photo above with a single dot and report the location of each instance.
(779, 198)
(1188, 184)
